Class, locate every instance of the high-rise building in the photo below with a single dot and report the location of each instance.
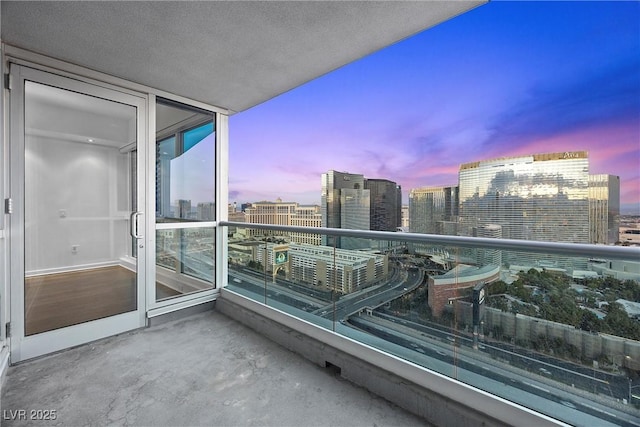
(345, 203)
(354, 214)
(489, 256)
(537, 197)
(206, 211)
(385, 211)
(604, 209)
(405, 218)
(184, 209)
(355, 202)
(433, 210)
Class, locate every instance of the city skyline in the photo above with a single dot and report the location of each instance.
(505, 79)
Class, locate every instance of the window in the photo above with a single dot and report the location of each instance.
(185, 196)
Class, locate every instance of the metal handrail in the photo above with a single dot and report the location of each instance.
(556, 248)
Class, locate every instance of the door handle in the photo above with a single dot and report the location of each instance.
(133, 225)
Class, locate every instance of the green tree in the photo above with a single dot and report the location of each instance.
(617, 322)
(590, 322)
(497, 287)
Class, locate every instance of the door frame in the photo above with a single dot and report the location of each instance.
(22, 347)
(159, 308)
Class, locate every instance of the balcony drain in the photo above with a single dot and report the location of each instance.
(335, 370)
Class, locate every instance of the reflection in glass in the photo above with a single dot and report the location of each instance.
(185, 164)
(186, 251)
(185, 194)
(79, 193)
(542, 197)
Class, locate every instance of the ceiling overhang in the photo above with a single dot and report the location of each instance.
(230, 54)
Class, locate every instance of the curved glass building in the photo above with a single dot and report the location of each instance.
(537, 197)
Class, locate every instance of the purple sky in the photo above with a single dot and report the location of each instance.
(506, 79)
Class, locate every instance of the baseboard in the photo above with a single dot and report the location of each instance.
(72, 268)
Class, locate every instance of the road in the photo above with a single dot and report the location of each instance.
(461, 363)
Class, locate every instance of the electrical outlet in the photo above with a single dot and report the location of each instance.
(62, 213)
(74, 249)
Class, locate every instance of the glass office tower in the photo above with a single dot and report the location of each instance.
(344, 204)
(604, 209)
(386, 204)
(538, 197)
(433, 210)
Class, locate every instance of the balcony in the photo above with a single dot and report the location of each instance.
(360, 316)
(205, 369)
(426, 316)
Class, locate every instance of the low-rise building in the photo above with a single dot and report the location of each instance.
(446, 288)
(341, 270)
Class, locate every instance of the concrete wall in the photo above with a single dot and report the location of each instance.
(591, 346)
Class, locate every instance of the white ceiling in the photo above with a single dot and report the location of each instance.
(56, 113)
(231, 54)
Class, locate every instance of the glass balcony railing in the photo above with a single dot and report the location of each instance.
(553, 327)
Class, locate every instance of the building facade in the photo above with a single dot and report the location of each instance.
(432, 210)
(184, 209)
(405, 218)
(358, 203)
(448, 287)
(343, 271)
(274, 213)
(345, 203)
(489, 256)
(541, 197)
(604, 209)
(206, 211)
(306, 216)
(385, 211)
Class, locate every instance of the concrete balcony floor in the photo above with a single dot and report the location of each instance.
(201, 370)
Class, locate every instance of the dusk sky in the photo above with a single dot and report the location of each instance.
(505, 79)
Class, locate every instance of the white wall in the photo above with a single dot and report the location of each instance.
(76, 194)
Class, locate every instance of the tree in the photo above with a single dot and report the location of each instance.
(617, 322)
(590, 322)
(497, 287)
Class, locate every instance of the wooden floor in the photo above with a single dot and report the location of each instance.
(54, 301)
(164, 292)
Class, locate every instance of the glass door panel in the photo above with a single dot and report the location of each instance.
(78, 261)
(76, 237)
(185, 200)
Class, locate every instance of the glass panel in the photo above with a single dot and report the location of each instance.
(561, 339)
(194, 136)
(78, 197)
(185, 162)
(185, 194)
(165, 152)
(189, 251)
